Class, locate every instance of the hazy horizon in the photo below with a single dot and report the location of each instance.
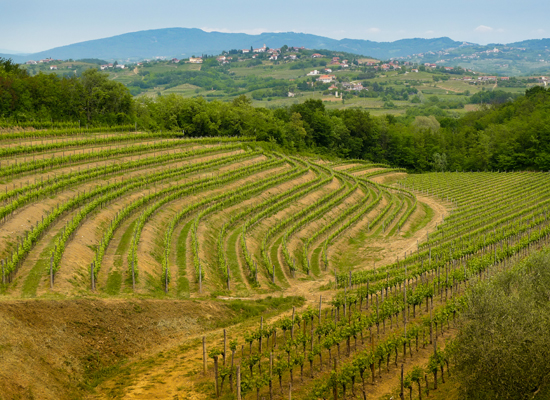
(33, 26)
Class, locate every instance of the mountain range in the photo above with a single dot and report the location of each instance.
(186, 42)
(520, 58)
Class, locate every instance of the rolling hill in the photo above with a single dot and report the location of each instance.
(185, 42)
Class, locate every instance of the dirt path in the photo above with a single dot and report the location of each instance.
(449, 89)
(398, 245)
(386, 249)
(176, 372)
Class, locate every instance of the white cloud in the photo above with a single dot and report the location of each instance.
(483, 29)
(538, 31)
(374, 30)
(430, 32)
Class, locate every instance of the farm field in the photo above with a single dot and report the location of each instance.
(268, 83)
(309, 274)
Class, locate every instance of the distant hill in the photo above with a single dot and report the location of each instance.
(185, 42)
(533, 44)
(12, 52)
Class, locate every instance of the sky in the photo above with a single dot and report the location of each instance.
(35, 25)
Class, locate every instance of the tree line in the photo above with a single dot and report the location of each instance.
(90, 98)
(507, 134)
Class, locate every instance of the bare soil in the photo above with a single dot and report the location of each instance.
(51, 349)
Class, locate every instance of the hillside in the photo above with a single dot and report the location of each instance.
(185, 42)
(529, 57)
(121, 249)
(206, 243)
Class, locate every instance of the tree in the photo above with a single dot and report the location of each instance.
(502, 348)
(8, 66)
(440, 162)
(426, 123)
(101, 98)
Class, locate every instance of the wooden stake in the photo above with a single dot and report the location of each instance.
(401, 393)
(133, 275)
(239, 383)
(204, 355)
(224, 345)
(200, 277)
(320, 304)
(261, 333)
(216, 376)
(51, 272)
(92, 275)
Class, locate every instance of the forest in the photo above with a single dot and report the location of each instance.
(504, 134)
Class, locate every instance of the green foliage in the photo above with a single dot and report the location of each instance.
(513, 135)
(92, 97)
(214, 352)
(92, 61)
(493, 97)
(502, 349)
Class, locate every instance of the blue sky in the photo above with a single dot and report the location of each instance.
(36, 25)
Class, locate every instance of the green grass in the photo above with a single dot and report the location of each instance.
(114, 278)
(246, 309)
(279, 274)
(417, 225)
(114, 283)
(314, 262)
(30, 285)
(236, 280)
(182, 286)
(446, 90)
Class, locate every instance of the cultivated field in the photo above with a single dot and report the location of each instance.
(380, 258)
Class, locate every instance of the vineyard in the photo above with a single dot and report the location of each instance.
(122, 213)
(381, 258)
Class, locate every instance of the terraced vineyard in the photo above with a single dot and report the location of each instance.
(382, 258)
(388, 324)
(121, 213)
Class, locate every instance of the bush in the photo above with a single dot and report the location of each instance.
(502, 350)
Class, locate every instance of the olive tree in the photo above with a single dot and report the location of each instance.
(503, 347)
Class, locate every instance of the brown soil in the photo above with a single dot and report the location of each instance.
(386, 250)
(49, 347)
(64, 139)
(154, 228)
(208, 237)
(22, 219)
(223, 216)
(255, 236)
(385, 178)
(344, 167)
(362, 172)
(295, 245)
(35, 255)
(302, 203)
